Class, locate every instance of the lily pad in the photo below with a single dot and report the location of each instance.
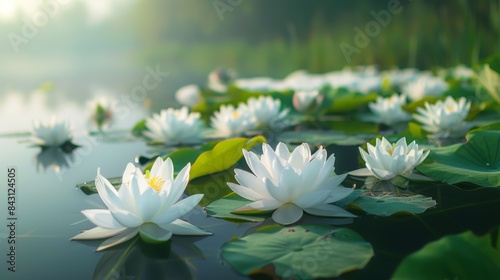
(344, 101)
(223, 155)
(477, 161)
(387, 205)
(213, 186)
(139, 128)
(183, 156)
(300, 252)
(460, 256)
(223, 207)
(322, 138)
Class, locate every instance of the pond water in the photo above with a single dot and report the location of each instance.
(48, 206)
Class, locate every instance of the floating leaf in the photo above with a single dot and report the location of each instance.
(182, 157)
(477, 161)
(460, 256)
(139, 128)
(223, 155)
(89, 188)
(490, 80)
(387, 205)
(223, 207)
(213, 186)
(322, 138)
(300, 252)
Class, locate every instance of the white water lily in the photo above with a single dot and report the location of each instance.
(266, 110)
(445, 119)
(50, 134)
(307, 100)
(387, 160)
(145, 204)
(188, 95)
(230, 121)
(424, 86)
(174, 127)
(291, 183)
(389, 110)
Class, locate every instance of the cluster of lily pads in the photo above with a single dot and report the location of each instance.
(409, 125)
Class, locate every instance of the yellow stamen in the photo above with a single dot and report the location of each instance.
(390, 151)
(235, 114)
(156, 183)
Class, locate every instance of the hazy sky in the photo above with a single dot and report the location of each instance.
(11, 10)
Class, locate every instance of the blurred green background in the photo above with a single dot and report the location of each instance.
(88, 47)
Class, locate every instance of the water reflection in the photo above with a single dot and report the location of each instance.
(55, 158)
(139, 260)
(397, 185)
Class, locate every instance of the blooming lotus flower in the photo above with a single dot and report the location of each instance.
(50, 134)
(462, 72)
(445, 119)
(145, 204)
(291, 183)
(174, 127)
(386, 161)
(230, 121)
(424, 86)
(266, 110)
(188, 95)
(389, 110)
(307, 100)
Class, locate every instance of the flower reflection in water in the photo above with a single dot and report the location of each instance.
(140, 260)
(54, 158)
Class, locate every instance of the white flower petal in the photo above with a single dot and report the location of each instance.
(245, 192)
(156, 166)
(178, 186)
(338, 193)
(148, 204)
(307, 200)
(280, 192)
(249, 180)
(97, 233)
(180, 227)
(168, 215)
(127, 219)
(154, 232)
(122, 237)
(363, 172)
(129, 170)
(263, 205)
(287, 213)
(108, 193)
(102, 218)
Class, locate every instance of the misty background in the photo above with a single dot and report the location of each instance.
(88, 48)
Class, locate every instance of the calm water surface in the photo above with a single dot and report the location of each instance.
(48, 206)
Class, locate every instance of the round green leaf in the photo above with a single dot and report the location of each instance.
(387, 205)
(461, 256)
(300, 252)
(223, 207)
(223, 155)
(477, 161)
